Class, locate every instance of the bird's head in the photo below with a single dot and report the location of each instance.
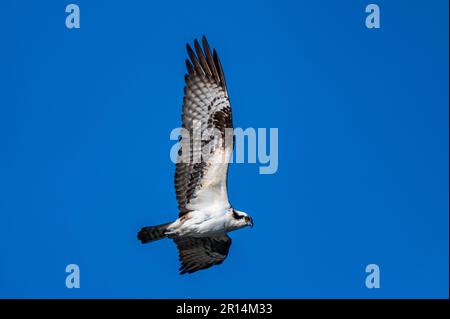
(238, 219)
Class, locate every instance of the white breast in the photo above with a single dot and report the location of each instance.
(200, 224)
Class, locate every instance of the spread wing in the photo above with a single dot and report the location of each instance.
(201, 253)
(206, 142)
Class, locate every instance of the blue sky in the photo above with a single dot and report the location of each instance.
(362, 115)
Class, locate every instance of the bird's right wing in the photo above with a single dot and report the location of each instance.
(202, 164)
(202, 252)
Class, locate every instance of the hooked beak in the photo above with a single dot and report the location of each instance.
(249, 221)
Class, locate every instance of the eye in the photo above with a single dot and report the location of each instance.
(237, 216)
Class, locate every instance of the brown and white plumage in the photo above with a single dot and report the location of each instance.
(205, 214)
(203, 252)
(206, 106)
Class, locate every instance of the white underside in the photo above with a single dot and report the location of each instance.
(200, 224)
(212, 195)
(209, 206)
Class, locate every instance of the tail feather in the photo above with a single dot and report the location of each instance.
(152, 233)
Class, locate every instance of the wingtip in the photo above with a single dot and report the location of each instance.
(182, 271)
(197, 42)
(189, 67)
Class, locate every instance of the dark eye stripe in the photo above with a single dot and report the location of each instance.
(237, 216)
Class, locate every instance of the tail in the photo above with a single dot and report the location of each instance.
(152, 233)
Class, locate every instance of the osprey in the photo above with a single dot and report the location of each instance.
(205, 214)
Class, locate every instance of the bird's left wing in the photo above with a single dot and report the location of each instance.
(202, 252)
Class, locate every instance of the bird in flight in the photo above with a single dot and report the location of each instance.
(205, 214)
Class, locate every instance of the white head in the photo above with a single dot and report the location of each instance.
(238, 219)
